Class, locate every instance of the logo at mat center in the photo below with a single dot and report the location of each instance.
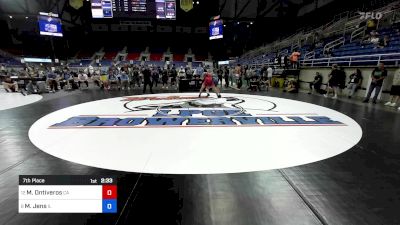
(191, 111)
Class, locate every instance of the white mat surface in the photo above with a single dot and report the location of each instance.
(13, 100)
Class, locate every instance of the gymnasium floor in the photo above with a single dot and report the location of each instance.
(360, 186)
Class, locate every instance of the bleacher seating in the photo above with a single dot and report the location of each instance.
(178, 57)
(134, 53)
(110, 55)
(106, 62)
(179, 64)
(133, 56)
(200, 54)
(344, 53)
(86, 53)
(10, 61)
(135, 49)
(156, 56)
(155, 63)
(158, 49)
(195, 64)
(200, 57)
(81, 63)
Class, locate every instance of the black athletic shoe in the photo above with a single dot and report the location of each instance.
(349, 97)
(219, 96)
(365, 101)
(208, 95)
(374, 102)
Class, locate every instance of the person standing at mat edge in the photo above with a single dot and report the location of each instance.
(147, 80)
(395, 90)
(377, 77)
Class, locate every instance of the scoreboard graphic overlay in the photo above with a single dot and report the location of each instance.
(141, 9)
(67, 194)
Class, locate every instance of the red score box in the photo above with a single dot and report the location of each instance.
(109, 191)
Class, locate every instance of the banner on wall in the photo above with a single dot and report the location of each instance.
(186, 5)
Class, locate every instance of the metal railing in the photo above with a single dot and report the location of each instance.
(357, 33)
(309, 55)
(284, 52)
(392, 59)
(333, 44)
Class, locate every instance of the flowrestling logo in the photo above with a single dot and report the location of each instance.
(191, 111)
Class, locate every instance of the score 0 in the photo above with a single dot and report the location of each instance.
(109, 198)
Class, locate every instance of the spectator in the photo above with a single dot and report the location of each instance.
(155, 75)
(342, 78)
(355, 82)
(383, 42)
(247, 75)
(9, 85)
(377, 77)
(371, 25)
(283, 61)
(97, 78)
(374, 39)
(173, 75)
(316, 83)
(83, 78)
(124, 79)
(294, 58)
(104, 79)
(32, 88)
(90, 71)
(371, 37)
(66, 79)
(292, 87)
(238, 76)
(112, 79)
(136, 77)
(254, 84)
(328, 53)
(181, 73)
(52, 81)
(395, 91)
(147, 80)
(220, 74)
(279, 61)
(189, 73)
(199, 72)
(226, 76)
(270, 72)
(334, 81)
(164, 79)
(2, 68)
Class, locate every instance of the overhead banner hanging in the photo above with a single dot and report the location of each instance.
(186, 5)
(76, 4)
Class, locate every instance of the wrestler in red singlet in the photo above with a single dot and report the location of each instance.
(208, 83)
